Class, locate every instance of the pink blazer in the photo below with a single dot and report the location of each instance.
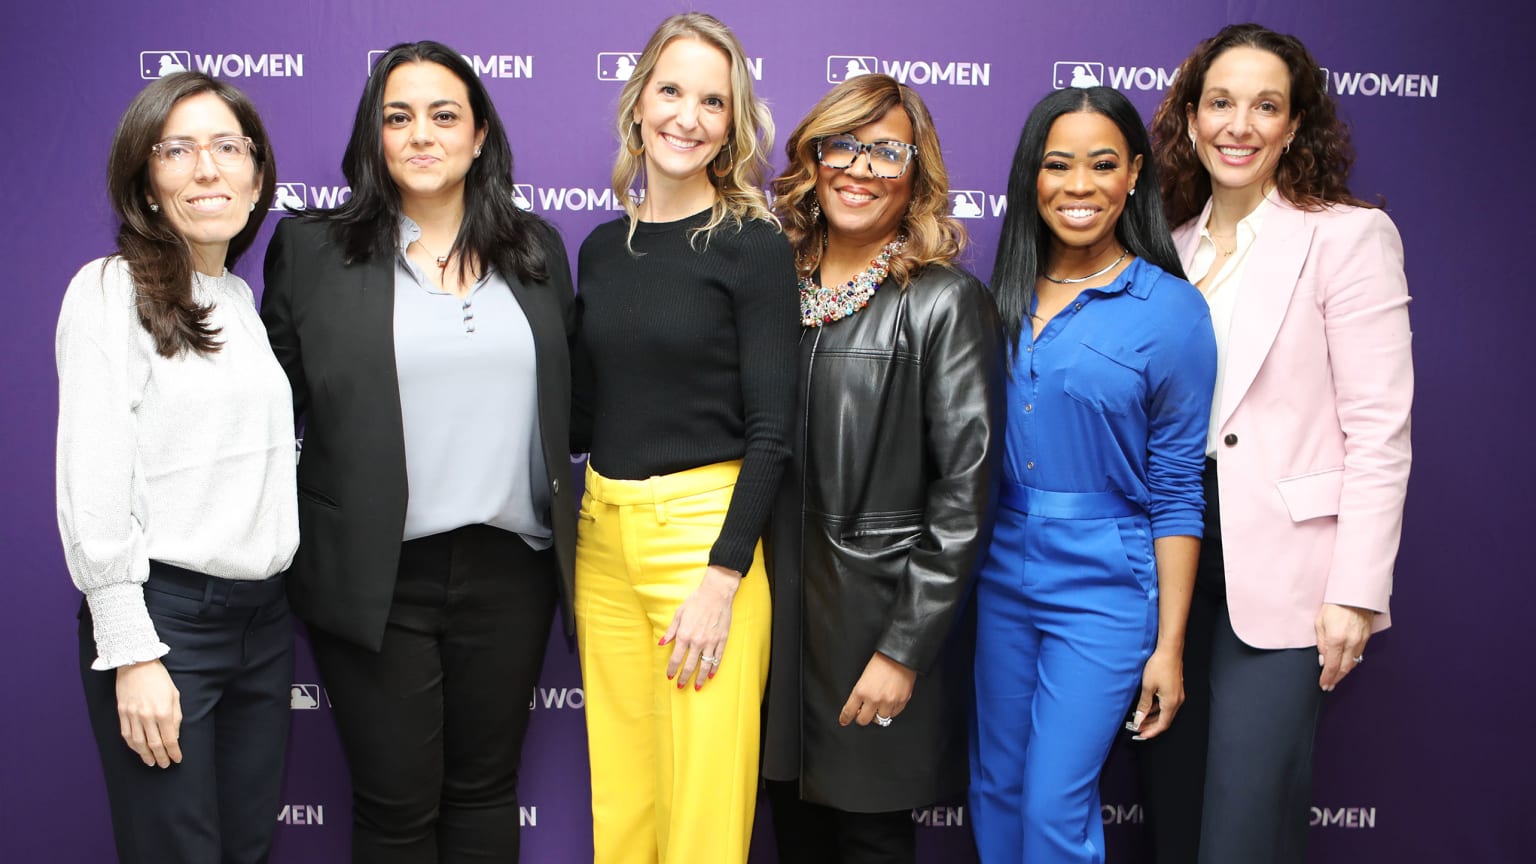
(1313, 452)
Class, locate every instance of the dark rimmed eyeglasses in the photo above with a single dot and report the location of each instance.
(887, 159)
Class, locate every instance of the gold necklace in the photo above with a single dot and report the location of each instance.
(1225, 253)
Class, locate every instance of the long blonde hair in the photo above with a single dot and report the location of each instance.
(747, 144)
(933, 236)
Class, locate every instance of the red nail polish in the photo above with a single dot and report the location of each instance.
(662, 642)
(698, 686)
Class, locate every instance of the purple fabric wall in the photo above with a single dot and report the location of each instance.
(1419, 756)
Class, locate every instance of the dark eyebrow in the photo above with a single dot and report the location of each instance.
(437, 104)
(181, 136)
(1105, 151)
(1274, 95)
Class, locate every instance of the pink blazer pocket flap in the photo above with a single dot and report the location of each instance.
(1309, 496)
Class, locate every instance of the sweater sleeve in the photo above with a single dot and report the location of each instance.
(767, 326)
(102, 375)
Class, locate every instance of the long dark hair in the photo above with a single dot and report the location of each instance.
(159, 259)
(494, 231)
(1311, 174)
(1026, 241)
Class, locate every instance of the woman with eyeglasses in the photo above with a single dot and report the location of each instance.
(424, 326)
(176, 485)
(885, 515)
(1083, 597)
(684, 384)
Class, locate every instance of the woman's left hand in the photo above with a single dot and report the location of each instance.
(881, 692)
(700, 627)
(1162, 678)
(1342, 632)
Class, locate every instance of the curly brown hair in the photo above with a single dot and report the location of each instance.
(933, 236)
(1312, 174)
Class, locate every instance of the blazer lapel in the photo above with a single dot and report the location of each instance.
(375, 344)
(1269, 280)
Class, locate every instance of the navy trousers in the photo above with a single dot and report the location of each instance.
(231, 659)
(1231, 779)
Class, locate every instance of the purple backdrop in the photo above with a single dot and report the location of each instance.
(1419, 757)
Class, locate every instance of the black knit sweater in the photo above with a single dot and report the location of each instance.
(686, 358)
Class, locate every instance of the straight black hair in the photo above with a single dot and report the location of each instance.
(495, 230)
(1025, 245)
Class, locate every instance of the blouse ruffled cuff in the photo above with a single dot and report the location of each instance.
(124, 632)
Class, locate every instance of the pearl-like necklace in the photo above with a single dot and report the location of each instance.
(819, 305)
(1112, 265)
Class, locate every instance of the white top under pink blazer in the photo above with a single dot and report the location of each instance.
(1313, 419)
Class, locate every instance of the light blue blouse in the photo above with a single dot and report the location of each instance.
(469, 405)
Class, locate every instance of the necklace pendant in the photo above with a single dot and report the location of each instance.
(442, 260)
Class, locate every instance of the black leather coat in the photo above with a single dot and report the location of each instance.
(883, 521)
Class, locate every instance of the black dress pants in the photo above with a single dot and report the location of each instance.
(809, 833)
(231, 660)
(433, 723)
(1231, 779)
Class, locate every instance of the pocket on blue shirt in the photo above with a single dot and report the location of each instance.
(1106, 378)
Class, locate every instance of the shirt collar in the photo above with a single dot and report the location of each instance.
(410, 232)
(1128, 281)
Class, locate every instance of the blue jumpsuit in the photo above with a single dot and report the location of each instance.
(1107, 415)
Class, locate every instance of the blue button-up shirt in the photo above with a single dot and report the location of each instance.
(1115, 395)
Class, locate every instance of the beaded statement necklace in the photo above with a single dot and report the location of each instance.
(823, 305)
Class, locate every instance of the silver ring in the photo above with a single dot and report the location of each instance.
(1360, 658)
(713, 661)
(882, 720)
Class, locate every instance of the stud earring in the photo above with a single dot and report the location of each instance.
(1132, 191)
(153, 207)
(477, 152)
(253, 206)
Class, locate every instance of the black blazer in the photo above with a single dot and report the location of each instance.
(332, 328)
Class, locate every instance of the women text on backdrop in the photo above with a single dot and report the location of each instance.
(885, 516)
(176, 485)
(1083, 597)
(424, 327)
(683, 396)
(1308, 439)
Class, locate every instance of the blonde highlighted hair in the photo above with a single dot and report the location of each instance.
(933, 236)
(748, 142)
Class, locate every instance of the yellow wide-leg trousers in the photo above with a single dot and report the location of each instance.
(674, 771)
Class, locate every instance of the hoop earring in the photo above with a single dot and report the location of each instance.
(722, 172)
(1288, 139)
(633, 151)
